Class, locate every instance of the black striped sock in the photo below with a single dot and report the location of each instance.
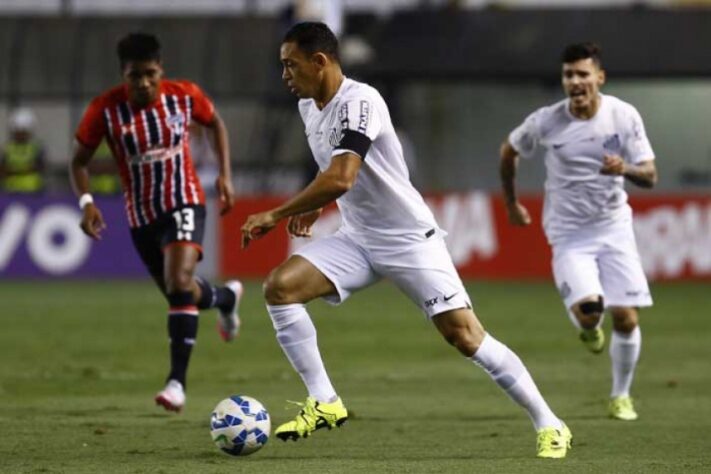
(182, 329)
(214, 297)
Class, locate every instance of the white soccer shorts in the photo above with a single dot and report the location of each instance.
(424, 271)
(601, 262)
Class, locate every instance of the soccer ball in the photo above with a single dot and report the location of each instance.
(240, 425)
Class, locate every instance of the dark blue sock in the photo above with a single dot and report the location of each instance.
(182, 329)
(212, 296)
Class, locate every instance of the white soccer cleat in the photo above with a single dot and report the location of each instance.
(172, 397)
(228, 323)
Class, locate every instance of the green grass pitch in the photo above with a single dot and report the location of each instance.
(80, 363)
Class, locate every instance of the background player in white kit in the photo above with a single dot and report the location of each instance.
(591, 143)
(387, 232)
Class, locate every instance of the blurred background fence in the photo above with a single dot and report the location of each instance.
(457, 75)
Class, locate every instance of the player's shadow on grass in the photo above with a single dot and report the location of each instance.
(215, 457)
(155, 415)
(440, 417)
(473, 456)
(594, 416)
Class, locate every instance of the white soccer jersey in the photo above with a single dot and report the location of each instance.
(382, 209)
(577, 195)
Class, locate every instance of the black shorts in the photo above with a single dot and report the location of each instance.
(180, 226)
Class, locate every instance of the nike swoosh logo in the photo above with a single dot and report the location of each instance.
(447, 298)
(557, 146)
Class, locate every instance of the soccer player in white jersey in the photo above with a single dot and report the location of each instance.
(388, 232)
(590, 143)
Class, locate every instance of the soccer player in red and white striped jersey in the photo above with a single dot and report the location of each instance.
(145, 121)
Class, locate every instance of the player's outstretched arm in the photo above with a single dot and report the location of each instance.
(643, 174)
(326, 187)
(517, 213)
(92, 222)
(223, 184)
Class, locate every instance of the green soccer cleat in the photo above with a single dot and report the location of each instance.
(622, 408)
(553, 443)
(313, 416)
(594, 339)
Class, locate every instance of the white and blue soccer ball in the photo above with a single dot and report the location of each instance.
(240, 425)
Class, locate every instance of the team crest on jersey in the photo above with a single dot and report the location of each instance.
(612, 142)
(176, 123)
(334, 138)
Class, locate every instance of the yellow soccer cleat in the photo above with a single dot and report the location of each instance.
(313, 416)
(554, 443)
(594, 339)
(622, 408)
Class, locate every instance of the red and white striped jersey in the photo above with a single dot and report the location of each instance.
(150, 145)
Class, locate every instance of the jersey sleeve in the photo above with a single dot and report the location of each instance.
(360, 125)
(203, 110)
(637, 147)
(524, 138)
(92, 127)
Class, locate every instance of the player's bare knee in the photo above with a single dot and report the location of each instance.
(624, 319)
(181, 280)
(277, 289)
(465, 334)
(465, 342)
(589, 312)
(271, 290)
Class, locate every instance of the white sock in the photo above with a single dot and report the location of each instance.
(509, 373)
(297, 336)
(624, 353)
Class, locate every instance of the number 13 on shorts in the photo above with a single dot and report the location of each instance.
(185, 223)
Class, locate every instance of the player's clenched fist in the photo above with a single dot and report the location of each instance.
(300, 225)
(613, 165)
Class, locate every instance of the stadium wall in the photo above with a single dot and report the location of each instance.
(40, 238)
(673, 235)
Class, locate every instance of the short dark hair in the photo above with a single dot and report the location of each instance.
(313, 37)
(577, 51)
(138, 47)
